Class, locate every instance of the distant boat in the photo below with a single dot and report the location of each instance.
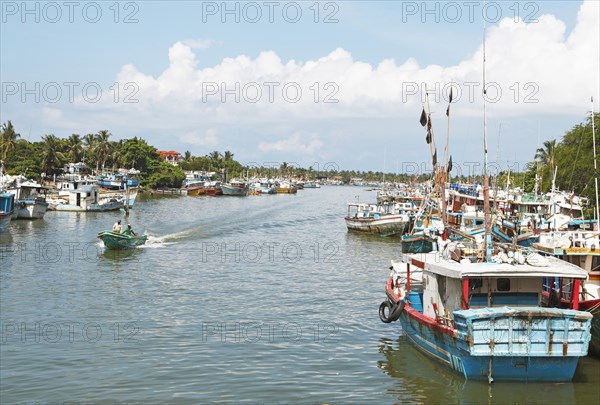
(235, 188)
(262, 187)
(7, 207)
(312, 184)
(286, 187)
(213, 188)
(119, 181)
(114, 240)
(194, 191)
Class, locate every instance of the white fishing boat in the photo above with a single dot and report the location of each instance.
(86, 199)
(30, 199)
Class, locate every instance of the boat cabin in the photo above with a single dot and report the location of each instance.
(449, 285)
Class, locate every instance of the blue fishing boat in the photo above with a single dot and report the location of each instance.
(485, 320)
(119, 181)
(7, 207)
(114, 240)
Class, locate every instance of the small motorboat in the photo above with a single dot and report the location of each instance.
(115, 240)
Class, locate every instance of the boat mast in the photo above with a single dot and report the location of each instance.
(595, 164)
(486, 185)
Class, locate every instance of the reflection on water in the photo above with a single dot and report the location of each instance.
(419, 379)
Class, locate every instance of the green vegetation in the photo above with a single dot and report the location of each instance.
(48, 156)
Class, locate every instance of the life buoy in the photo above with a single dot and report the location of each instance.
(394, 311)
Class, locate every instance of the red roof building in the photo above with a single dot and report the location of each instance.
(170, 156)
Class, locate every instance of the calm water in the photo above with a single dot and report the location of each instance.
(254, 300)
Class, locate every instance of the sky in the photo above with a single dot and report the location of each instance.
(331, 84)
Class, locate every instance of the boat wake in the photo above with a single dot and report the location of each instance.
(156, 241)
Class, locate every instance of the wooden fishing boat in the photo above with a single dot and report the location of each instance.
(484, 320)
(382, 219)
(114, 240)
(213, 188)
(235, 188)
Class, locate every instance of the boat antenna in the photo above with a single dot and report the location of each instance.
(448, 166)
(486, 185)
(426, 122)
(595, 163)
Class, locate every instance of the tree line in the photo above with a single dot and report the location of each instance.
(571, 159)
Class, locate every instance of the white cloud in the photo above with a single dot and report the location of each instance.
(209, 138)
(526, 61)
(199, 43)
(296, 144)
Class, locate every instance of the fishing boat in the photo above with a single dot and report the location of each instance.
(381, 219)
(88, 199)
(7, 207)
(312, 184)
(7, 203)
(484, 320)
(213, 188)
(115, 240)
(120, 180)
(235, 188)
(285, 187)
(30, 199)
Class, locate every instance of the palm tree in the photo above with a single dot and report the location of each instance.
(89, 143)
(187, 155)
(75, 146)
(228, 155)
(547, 156)
(52, 157)
(214, 155)
(8, 138)
(116, 156)
(102, 147)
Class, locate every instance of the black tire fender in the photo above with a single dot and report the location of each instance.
(394, 311)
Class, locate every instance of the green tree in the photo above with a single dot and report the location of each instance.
(102, 147)
(52, 155)
(75, 148)
(8, 138)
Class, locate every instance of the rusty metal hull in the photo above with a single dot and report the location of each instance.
(504, 344)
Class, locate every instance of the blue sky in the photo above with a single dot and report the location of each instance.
(176, 48)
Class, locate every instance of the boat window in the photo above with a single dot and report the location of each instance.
(503, 284)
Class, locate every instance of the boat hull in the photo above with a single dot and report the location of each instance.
(417, 244)
(386, 226)
(31, 209)
(511, 356)
(234, 190)
(212, 191)
(5, 218)
(113, 240)
(110, 206)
